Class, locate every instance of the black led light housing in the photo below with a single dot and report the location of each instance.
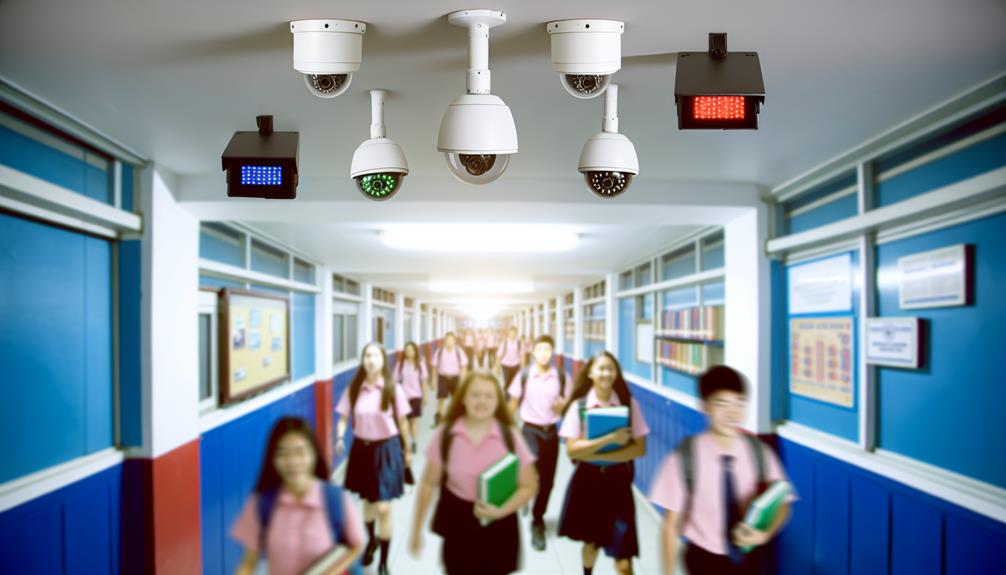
(262, 164)
(718, 90)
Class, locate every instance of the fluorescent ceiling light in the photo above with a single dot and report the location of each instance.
(481, 287)
(480, 238)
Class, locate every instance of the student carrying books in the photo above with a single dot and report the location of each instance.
(510, 356)
(377, 459)
(450, 365)
(537, 395)
(710, 480)
(412, 375)
(478, 431)
(599, 508)
(295, 516)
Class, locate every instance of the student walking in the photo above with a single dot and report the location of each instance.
(469, 345)
(295, 516)
(599, 509)
(377, 460)
(412, 375)
(706, 484)
(477, 432)
(450, 364)
(492, 342)
(538, 395)
(510, 357)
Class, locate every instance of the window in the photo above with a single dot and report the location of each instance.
(643, 276)
(222, 244)
(269, 260)
(207, 351)
(678, 263)
(303, 271)
(625, 281)
(712, 252)
(343, 331)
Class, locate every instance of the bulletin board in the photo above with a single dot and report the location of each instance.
(821, 361)
(254, 343)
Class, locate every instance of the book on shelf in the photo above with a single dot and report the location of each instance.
(600, 421)
(766, 507)
(498, 482)
(701, 323)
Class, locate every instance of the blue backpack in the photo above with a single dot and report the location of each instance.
(333, 505)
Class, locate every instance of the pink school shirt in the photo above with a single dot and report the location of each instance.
(412, 379)
(572, 429)
(705, 519)
(509, 353)
(466, 461)
(299, 531)
(492, 340)
(369, 422)
(469, 340)
(542, 390)
(449, 362)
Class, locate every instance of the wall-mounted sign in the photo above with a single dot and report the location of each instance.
(821, 287)
(893, 341)
(820, 359)
(937, 278)
(246, 365)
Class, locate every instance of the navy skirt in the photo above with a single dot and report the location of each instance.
(376, 469)
(471, 548)
(416, 405)
(599, 509)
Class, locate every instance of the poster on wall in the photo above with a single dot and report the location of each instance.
(820, 359)
(644, 342)
(246, 365)
(936, 278)
(824, 286)
(893, 341)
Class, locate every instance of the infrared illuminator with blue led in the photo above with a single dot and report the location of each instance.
(262, 164)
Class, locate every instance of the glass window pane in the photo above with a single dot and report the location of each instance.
(205, 365)
(269, 260)
(338, 351)
(677, 264)
(221, 244)
(303, 271)
(712, 252)
(350, 342)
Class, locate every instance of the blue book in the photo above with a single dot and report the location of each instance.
(600, 421)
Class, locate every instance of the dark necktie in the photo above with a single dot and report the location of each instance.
(730, 510)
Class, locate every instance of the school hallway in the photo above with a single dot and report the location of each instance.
(561, 556)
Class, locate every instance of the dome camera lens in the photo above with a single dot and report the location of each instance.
(585, 83)
(608, 184)
(378, 186)
(328, 83)
(478, 164)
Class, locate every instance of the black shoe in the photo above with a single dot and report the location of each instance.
(538, 537)
(382, 569)
(368, 553)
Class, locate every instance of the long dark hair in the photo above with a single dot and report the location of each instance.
(416, 359)
(387, 394)
(457, 407)
(583, 383)
(268, 477)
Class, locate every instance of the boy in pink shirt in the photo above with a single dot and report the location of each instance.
(510, 356)
(725, 479)
(538, 395)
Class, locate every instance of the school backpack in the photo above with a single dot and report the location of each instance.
(526, 372)
(687, 458)
(333, 505)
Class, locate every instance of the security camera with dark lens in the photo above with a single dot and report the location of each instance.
(478, 164)
(327, 85)
(586, 53)
(327, 52)
(608, 160)
(607, 184)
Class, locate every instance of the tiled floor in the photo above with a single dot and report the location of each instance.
(562, 556)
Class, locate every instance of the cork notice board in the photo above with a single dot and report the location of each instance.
(254, 343)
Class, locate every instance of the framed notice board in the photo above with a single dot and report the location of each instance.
(254, 343)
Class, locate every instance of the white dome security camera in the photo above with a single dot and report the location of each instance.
(608, 160)
(477, 133)
(586, 53)
(379, 164)
(327, 52)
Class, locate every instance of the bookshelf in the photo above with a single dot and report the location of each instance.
(690, 340)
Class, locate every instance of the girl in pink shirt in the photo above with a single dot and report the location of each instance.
(297, 530)
(477, 432)
(510, 357)
(599, 509)
(377, 460)
(412, 375)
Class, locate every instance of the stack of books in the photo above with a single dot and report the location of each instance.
(600, 421)
(498, 483)
(765, 508)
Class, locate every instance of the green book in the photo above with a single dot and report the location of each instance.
(499, 482)
(764, 509)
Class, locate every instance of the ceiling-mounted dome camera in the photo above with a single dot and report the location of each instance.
(477, 133)
(586, 53)
(327, 52)
(608, 160)
(379, 164)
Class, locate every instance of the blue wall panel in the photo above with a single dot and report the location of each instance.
(683, 382)
(303, 334)
(97, 183)
(780, 333)
(870, 527)
(973, 549)
(669, 423)
(840, 209)
(128, 179)
(916, 536)
(75, 529)
(796, 541)
(229, 463)
(54, 166)
(831, 535)
(130, 383)
(964, 345)
(54, 292)
(971, 161)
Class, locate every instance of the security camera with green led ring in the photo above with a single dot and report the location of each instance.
(379, 164)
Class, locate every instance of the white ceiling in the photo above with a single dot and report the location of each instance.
(173, 80)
